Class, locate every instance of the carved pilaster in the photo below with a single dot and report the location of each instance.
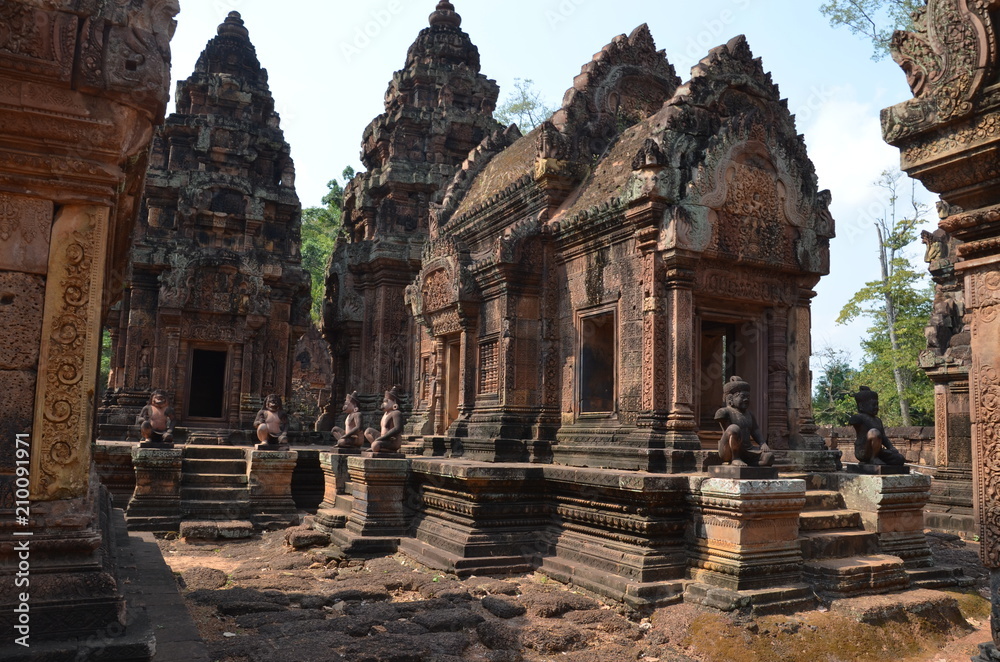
(69, 355)
(982, 286)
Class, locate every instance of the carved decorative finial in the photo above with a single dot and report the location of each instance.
(445, 14)
(234, 26)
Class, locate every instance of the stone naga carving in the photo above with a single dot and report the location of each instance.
(872, 446)
(156, 421)
(740, 429)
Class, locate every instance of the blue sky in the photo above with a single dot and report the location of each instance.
(330, 62)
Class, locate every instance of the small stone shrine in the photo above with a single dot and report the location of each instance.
(82, 86)
(581, 301)
(949, 139)
(217, 297)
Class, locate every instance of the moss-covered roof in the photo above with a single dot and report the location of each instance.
(502, 171)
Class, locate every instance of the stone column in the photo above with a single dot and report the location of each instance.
(681, 422)
(156, 503)
(269, 482)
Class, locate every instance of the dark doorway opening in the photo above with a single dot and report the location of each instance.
(453, 370)
(597, 363)
(208, 384)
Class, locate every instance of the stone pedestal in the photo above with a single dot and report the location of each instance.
(114, 466)
(893, 508)
(332, 513)
(156, 502)
(744, 544)
(270, 487)
(378, 518)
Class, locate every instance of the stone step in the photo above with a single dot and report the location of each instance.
(216, 510)
(939, 577)
(814, 481)
(214, 494)
(861, 575)
(214, 453)
(213, 480)
(825, 520)
(217, 529)
(838, 544)
(824, 500)
(214, 466)
(345, 503)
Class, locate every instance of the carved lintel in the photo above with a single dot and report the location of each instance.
(70, 355)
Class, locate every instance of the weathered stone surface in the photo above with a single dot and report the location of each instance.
(746, 533)
(195, 579)
(216, 530)
(448, 620)
(503, 608)
(497, 635)
(892, 507)
(300, 539)
(156, 503)
(78, 102)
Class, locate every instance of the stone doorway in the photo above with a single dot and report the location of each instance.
(452, 371)
(728, 348)
(207, 385)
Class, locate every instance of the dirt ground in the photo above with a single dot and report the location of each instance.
(262, 601)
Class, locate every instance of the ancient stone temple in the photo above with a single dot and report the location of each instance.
(438, 108)
(590, 287)
(585, 299)
(949, 139)
(217, 297)
(946, 361)
(82, 85)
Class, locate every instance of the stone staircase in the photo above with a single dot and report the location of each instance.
(840, 558)
(214, 492)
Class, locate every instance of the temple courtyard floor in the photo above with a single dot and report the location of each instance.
(261, 600)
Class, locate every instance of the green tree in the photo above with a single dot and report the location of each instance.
(833, 403)
(875, 20)
(321, 226)
(524, 107)
(898, 306)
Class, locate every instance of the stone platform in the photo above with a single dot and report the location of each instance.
(642, 539)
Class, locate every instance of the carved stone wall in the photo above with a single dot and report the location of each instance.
(215, 263)
(949, 139)
(81, 87)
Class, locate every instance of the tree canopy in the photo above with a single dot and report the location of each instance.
(524, 107)
(321, 226)
(898, 306)
(876, 20)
